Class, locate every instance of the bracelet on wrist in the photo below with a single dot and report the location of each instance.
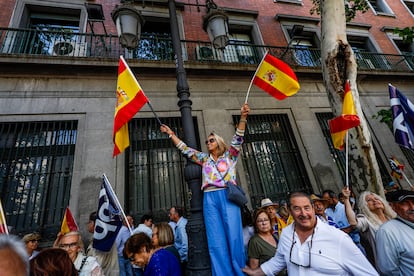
(171, 135)
(243, 120)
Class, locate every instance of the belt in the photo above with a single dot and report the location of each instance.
(213, 188)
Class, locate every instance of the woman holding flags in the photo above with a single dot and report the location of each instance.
(222, 217)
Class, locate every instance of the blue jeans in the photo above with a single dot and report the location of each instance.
(125, 267)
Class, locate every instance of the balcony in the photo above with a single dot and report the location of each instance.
(158, 48)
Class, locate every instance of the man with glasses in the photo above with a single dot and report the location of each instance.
(85, 265)
(310, 247)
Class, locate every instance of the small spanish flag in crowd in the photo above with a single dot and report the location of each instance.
(276, 78)
(68, 223)
(3, 224)
(396, 168)
(349, 119)
(130, 98)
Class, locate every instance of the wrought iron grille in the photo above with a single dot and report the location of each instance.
(156, 169)
(36, 163)
(339, 156)
(271, 158)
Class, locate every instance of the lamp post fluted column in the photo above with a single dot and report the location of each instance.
(198, 257)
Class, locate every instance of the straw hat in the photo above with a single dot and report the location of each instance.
(314, 197)
(267, 202)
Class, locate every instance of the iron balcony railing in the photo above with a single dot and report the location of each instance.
(158, 47)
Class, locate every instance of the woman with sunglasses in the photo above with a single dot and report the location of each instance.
(222, 217)
(32, 242)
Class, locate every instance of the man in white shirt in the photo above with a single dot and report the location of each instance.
(310, 247)
(145, 226)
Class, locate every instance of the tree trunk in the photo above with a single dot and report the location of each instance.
(338, 65)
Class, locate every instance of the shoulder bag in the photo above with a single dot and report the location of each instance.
(235, 193)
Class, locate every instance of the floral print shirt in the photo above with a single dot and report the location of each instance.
(213, 172)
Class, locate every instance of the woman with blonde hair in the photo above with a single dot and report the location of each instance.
(72, 243)
(375, 211)
(222, 217)
(163, 237)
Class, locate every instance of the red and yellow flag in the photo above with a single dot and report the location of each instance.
(349, 119)
(276, 78)
(3, 224)
(68, 223)
(129, 100)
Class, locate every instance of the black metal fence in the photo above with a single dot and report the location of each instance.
(271, 159)
(158, 47)
(156, 169)
(36, 163)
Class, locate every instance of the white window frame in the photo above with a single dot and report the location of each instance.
(411, 2)
(298, 2)
(386, 10)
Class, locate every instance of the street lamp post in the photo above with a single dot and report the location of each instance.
(198, 257)
(215, 24)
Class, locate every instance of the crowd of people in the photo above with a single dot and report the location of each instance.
(327, 234)
(306, 240)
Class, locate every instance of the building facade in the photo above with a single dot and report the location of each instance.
(58, 73)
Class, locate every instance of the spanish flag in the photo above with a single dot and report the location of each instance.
(129, 100)
(68, 223)
(396, 168)
(3, 224)
(276, 78)
(349, 119)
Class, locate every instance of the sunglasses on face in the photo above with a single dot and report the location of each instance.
(68, 245)
(211, 141)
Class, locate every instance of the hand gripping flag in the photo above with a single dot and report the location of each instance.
(129, 100)
(396, 168)
(68, 223)
(403, 118)
(276, 78)
(108, 221)
(348, 119)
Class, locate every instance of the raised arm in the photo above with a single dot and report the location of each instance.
(350, 214)
(244, 112)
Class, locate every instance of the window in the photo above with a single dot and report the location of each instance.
(156, 169)
(366, 54)
(155, 42)
(240, 49)
(36, 163)
(380, 6)
(339, 156)
(244, 36)
(410, 5)
(305, 46)
(47, 30)
(406, 49)
(272, 159)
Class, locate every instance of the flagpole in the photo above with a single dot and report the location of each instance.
(155, 114)
(406, 179)
(346, 161)
(117, 202)
(251, 81)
